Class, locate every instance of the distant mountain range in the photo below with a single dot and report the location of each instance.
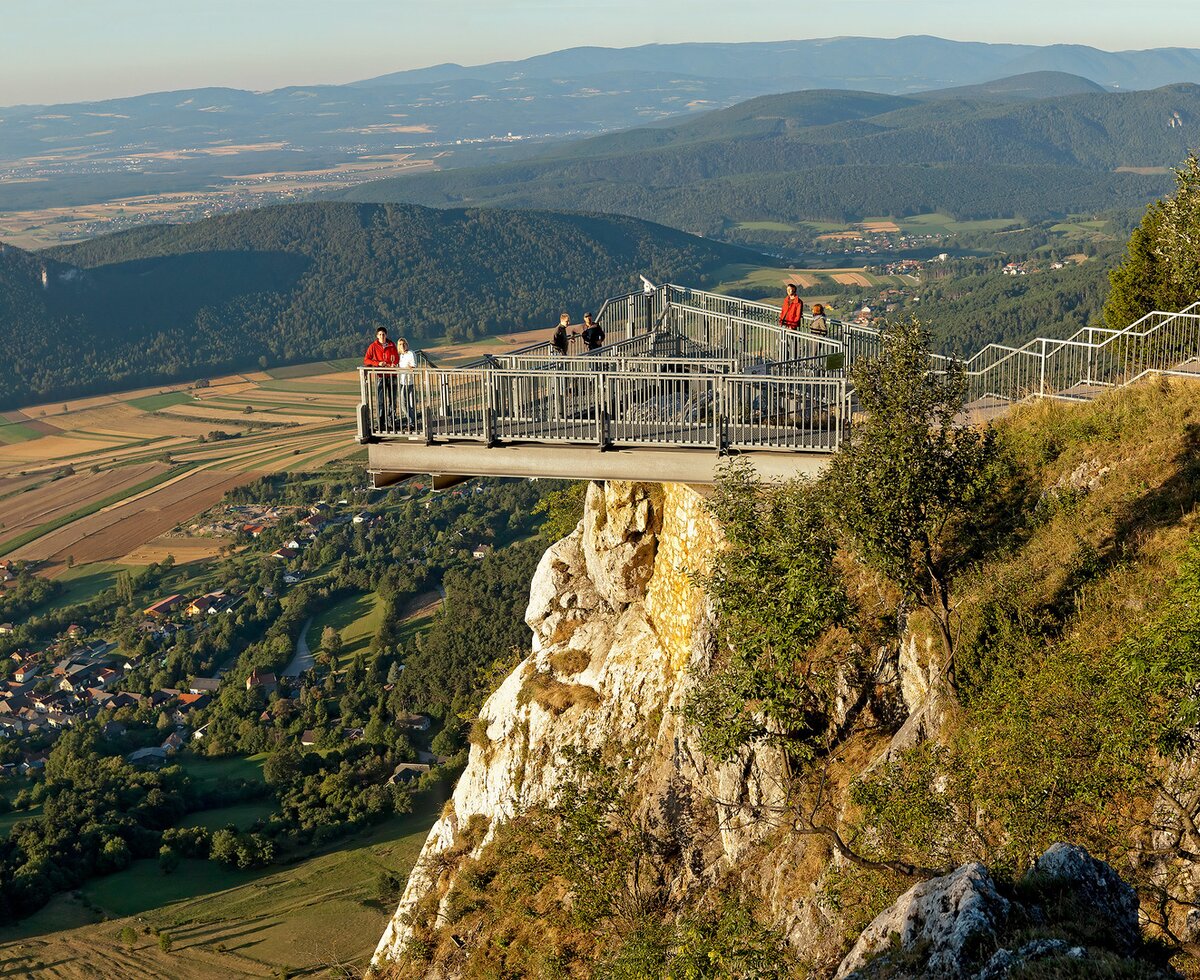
(303, 282)
(197, 139)
(984, 151)
(904, 64)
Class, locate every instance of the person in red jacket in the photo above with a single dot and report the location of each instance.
(383, 354)
(792, 314)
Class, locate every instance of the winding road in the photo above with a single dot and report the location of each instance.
(303, 659)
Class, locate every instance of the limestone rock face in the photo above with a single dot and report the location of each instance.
(953, 915)
(616, 620)
(621, 523)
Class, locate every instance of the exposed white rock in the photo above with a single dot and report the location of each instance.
(1098, 887)
(607, 590)
(953, 915)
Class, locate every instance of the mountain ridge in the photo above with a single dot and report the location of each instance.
(304, 282)
(844, 155)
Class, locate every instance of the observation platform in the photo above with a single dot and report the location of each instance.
(689, 380)
(686, 381)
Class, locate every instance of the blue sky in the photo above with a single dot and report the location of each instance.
(68, 50)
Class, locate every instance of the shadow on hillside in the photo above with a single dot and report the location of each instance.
(1164, 505)
(174, 288)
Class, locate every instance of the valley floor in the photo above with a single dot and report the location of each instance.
(314, 918)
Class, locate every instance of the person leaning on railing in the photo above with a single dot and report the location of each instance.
(382, 353)
(819, 325)
(406, 363)
(559, 341)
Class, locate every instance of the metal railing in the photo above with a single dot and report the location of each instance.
(695, 406)
(688, 368)
(1092, 359)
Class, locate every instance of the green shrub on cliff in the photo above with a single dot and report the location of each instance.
(775, 592)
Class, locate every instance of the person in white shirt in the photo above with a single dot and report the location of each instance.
(406, 365)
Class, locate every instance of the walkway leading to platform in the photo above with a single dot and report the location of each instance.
(688, 379)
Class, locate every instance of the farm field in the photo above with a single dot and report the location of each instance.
(752, 279)
(312, 918)
(112, 478)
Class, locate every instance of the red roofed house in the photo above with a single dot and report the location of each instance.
(26, 672)
(264, 679)
(164, 606)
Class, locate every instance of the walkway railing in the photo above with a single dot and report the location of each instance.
(695, 406)
(1091, 360)
(683, 367)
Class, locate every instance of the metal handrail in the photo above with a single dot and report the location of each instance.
(685, 367)
(606, 408)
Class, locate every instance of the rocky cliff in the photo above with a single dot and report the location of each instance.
(616, 619)
(620, 633)
(620, 629)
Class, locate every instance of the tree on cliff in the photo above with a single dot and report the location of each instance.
(1161, 270)
(913, 490)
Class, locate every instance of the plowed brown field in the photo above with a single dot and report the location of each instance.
(114, 533)
(38, 505)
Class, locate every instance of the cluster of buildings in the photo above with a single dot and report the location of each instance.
(230, 520)
(46, 694)
(870, 241)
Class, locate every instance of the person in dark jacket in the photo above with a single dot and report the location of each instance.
(559, 340)
(792, 315)
(382, 353)
(593, 333)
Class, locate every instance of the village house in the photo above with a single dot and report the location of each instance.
(284, 554)
(204, 685)
(262, 679)
(418, 722)
(151, 757)
(27, 671)
(204, 604)
(481, 551)
(407, 772)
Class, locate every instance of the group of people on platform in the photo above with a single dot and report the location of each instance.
(791, 316)
(394, 392)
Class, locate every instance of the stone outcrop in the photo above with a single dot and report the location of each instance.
(960, 926)
(616, 619)
(953, 916)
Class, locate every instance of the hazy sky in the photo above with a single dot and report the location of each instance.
(74, 50)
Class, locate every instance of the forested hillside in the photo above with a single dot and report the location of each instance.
(847, 155)
(304, 282)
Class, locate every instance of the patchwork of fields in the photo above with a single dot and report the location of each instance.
(110, 478)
